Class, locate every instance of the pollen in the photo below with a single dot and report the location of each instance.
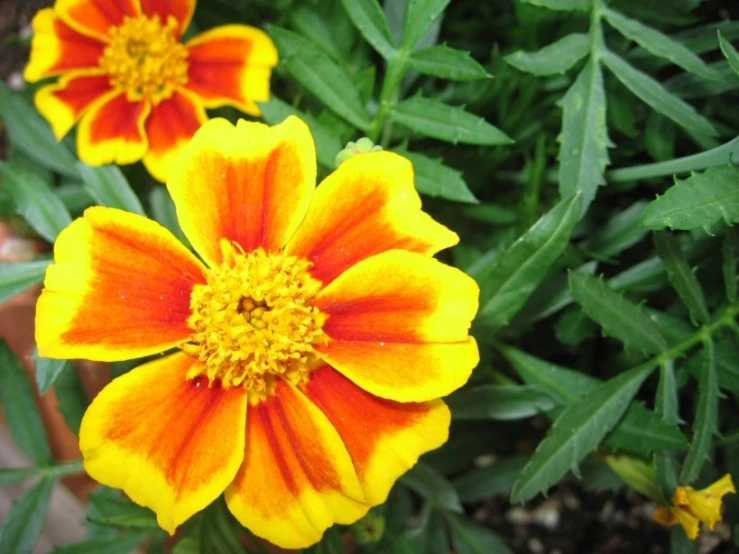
(253, 321)
(145, 58)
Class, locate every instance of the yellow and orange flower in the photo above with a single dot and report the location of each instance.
(136, 89)
(316, 334)
(691, 507)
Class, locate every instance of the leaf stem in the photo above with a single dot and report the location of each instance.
(388, 95)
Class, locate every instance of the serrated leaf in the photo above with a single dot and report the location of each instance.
(22, 526)
(108, 187)
(730, 53)
(435, 179)
(659, 44)
(681, 276)
(618, 316)
(327, 144)
(499, 402)
(469, 537)
(577, 432)
(433, 486)
(728, 267)
(19, 407)
(554, 59)
(20, 276)
(657, 96)
(705, 423)
(701, 200)
(35, 200)
(509, 281)
(163, 210)
(119, 543)
(726, 359)
(318, 73)
(641, 431)
(584, 142)
(54, 471)
(419, 18)
(447, 63)
(562, 5)
(73, 400)
(47, 371)
(484, 482)
(368, 17)
(32, 134)
(449, 123)
(619, 233)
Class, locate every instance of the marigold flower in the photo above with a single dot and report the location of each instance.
(136, 89)
(690, 507)
(316, 335)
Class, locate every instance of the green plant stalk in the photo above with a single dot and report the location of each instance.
(396, 70)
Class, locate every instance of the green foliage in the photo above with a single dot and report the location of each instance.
(585, 151)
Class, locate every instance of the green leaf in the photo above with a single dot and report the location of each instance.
(701, 200)
(119, 543)
(20, 276)
(728, 268)
(562, 5)
(681, 276)
(72, 398)
(619, 233)
(500, 403)
(726, 359)
(495, 479)
(32, 134)
(22, 526)
(659, 44)
(163, 210)
(577, 432)
(641, 431)
(108, 187)
(419, 18)
(449, 123)
(126, 514)
(35, 200)
(705, 423)
(618, 316)
(19, 407)
(469, 537)
(554, 59)
(213, 530)
(435, 179)
(313, 69)
(447, 63)
(729, 52)
(584, 142)
(509, 281)
(327, 144)
(368, 17)
(54, 471)
(658, 97)
(433, 486)
(48, 371)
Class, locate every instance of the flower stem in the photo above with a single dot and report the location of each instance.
(388, 95)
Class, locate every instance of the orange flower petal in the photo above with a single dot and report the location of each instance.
(250, 184)
(384, 438)
(169, 127)
(231, 65)
(94, 18)
(112, 131)
(398, 326)
(170, 443)
(368, 205)
(297, 478)
(63, 103)
(120, 289)
(181, 10)
(57, 48)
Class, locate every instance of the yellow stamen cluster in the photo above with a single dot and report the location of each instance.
(254, 321)
(145, 58)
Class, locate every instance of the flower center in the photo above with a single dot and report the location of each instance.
(254, 322)
(145, 58)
